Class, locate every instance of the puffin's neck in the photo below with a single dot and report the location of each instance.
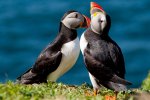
(67, 32)
(100, 34)
(91, 36)
(65, 35)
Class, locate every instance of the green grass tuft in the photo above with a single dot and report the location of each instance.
(146, 83)
(53, 91)
(59, 91)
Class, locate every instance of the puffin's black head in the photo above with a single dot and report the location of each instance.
(100, 21)
(73, 20)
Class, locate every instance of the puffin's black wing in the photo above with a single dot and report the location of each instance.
(100, 70)
(46, 63)
(117, 58)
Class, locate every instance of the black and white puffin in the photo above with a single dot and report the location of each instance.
(102, 56)
(60, 55)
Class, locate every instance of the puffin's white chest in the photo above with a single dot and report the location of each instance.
(70, 52)
(83, 43)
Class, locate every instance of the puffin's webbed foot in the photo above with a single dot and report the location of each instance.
(107, 97)
(95, 91)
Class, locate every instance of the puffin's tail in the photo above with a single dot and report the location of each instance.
(115, 86)
(119, 80)
(19, 78)
(28, 78)
(116, 83)
(25, 77)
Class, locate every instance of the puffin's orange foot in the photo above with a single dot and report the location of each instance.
(107, 97)
(95, 92)
(87, 93)
(90, 94)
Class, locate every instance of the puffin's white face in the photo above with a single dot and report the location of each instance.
(98, 22)
(73, 20)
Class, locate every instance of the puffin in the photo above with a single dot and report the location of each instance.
(102, 56)
(60, 55)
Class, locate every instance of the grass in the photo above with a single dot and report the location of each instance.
(59, 91)
(54, 91)
(146, 83)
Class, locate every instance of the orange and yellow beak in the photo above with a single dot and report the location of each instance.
(95, 8)
(86, 22)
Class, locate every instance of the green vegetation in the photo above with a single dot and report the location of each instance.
(59, 91)
(146, 83)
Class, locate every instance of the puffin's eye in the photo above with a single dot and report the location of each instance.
(100, 20)
(76, 15)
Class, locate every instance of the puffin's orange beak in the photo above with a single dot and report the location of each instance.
(86, 22)
(95, 6)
